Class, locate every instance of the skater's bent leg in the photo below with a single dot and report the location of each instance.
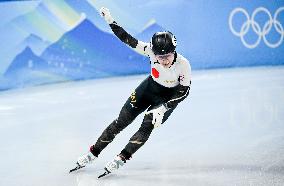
(142, 135)
(135, 104)
(124, 119)
(139, 138)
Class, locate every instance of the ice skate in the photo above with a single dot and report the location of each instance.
(86, 159)
(113, 165)
(83, 161)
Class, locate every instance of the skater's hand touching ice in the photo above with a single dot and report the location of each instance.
(158, 115)
(105, 13)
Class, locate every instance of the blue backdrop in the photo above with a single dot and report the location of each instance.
(52, 41)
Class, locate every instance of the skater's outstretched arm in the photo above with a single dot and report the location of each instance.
(139, 46)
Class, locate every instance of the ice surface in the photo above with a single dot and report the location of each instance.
(230, 131)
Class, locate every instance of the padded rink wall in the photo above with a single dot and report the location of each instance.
(55, 41)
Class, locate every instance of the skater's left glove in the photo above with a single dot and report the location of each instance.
(158, 115)
(105, 13)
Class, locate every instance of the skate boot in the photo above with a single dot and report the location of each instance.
(86, 159)
(113, 165)
(83, 161)
(117, 162)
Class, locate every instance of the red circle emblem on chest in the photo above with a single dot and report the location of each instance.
(155, 73)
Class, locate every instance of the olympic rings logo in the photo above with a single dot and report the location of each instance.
(260, 32)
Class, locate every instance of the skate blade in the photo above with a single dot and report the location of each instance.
(76, 168)
(104, 174)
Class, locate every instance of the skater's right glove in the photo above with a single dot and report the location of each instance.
(158, 115)
(105, 13)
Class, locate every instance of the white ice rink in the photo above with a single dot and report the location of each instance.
(229, 132)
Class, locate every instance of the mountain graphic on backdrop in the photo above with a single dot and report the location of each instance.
(36, 44)
(82, 53)
(88, 52)
(149, 30)
(48, 19)
(27, 61)
(28, 69)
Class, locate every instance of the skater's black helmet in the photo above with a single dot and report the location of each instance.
(163, 43)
